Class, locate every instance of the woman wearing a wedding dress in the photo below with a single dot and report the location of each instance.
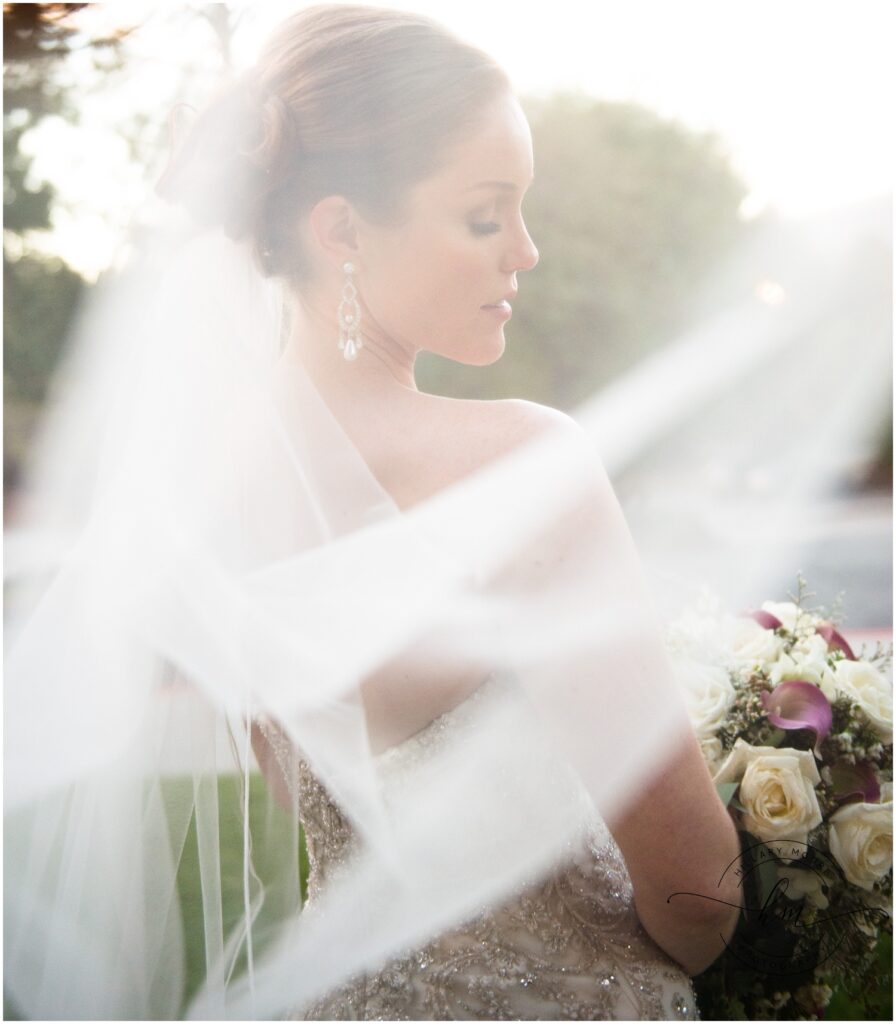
(457, 872)
(436, 244)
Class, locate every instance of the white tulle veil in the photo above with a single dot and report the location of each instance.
(201, 547)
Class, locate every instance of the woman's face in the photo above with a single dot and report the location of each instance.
(442, 279)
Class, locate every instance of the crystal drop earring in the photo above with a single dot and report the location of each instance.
(349, 314)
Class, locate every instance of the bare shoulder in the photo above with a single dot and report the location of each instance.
(504, 424)
(511, 424)
(480, 432)
(530, 419)
(444, 440)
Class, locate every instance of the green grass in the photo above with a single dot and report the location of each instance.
(277, 851)
(273, 847)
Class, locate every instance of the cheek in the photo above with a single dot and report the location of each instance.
(456, 276)
(445, 285)
(428, 291)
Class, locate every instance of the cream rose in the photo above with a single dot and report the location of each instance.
(807, 660)
(777, 792)
(864, 684)
(861, 839)
(708, 694)
(786, 612)
(752, 645)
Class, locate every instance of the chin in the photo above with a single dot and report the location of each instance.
(480, 353)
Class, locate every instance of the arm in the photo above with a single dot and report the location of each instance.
(678, 837)
(279, 772)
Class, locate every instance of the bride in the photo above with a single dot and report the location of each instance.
(423, 617)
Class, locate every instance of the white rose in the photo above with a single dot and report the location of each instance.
(807, 660)
(708, 694)
(863, 683)
(861, 839)
(695, 629)
(812, 999)
(751, 644)
(804, 884)
(786, 612)
(777, 792)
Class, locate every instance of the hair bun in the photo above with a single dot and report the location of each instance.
(279, 138)
(236, 153)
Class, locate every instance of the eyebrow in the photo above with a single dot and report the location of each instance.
(507, 186)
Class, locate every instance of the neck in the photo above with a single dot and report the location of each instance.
(383, 363)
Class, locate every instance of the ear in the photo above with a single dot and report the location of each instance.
(334, 230)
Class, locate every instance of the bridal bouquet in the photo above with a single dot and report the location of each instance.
(797, 731)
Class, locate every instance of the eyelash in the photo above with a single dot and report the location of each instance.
(489, 228)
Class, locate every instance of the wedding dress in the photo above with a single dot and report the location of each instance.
(568, 947)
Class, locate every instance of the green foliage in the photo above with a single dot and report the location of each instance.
(629, 212)
(40, 298)
(26, 206)
(868, 998)
(726, 791)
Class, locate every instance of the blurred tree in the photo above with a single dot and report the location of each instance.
(39, 294)
(33, 31)
(629, 212)
(34, 35)
(39, 299)
(46, 76)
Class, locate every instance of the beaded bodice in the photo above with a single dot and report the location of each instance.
(570, 947)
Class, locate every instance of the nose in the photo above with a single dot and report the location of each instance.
(523, 255)
(531, 253)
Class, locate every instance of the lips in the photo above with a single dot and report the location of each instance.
(499, 310)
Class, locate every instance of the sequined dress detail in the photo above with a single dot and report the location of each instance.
(570, 947)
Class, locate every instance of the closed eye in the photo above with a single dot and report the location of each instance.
(485, 228)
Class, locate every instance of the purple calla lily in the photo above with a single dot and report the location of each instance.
(834, 639)
(799, 704)
(855, 782)
(766, 619)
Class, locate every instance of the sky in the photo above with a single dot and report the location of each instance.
(801, 91)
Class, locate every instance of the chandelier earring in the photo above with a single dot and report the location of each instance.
(349, 314)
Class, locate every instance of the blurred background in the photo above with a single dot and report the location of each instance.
(713, 209)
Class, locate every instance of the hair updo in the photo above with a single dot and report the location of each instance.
(345, 100)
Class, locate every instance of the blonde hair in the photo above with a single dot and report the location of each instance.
(344, 100)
